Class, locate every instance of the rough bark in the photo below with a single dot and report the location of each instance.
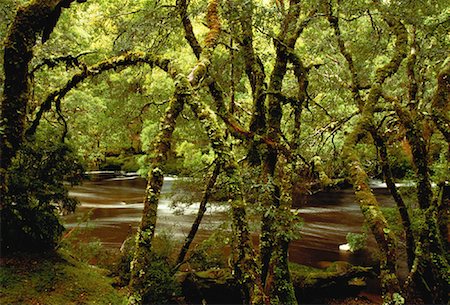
(188, 29)
(419, 154)
(441, 102)
(301, 73)
(432, 269)
(146, 230)
(245, 265)
(375, 219)
(401, 206)
(282, 286)
(254, 69)
(410, 71)
(355, 84)
(392, 293)
(216, 92)
(37, 17)
(183, 89)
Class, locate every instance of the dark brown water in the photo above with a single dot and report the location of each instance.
(115, 205)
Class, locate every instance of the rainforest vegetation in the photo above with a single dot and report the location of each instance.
(260, 103)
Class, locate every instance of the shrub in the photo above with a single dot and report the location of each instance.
(36, 194)
(210, 253)
(160, 281)
(356, 241)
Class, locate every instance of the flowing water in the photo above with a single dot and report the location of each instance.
(114, 206)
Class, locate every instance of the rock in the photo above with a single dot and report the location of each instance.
(218, 286)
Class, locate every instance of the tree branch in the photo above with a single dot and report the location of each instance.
(69, 60)
(127, 59)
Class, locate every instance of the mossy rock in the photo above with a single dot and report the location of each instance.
(218, 286)
(340, 279)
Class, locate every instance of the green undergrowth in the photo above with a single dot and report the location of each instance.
(55, 278)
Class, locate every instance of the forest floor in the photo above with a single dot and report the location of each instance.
(55, 278)
(61, 278)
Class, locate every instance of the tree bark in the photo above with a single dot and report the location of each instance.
(432, 272)
(198, 219)
(254, 69)
(392, 293)
(441, 103)
(245, 265)
(282, 285)
(146, 230)
(37, 17)
(401, 206)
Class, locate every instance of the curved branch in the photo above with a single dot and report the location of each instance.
(128, 59)
(39, 16)
(69, 60)
(367, 201)
(355, 84)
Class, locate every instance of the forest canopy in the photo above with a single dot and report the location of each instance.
(264, 102)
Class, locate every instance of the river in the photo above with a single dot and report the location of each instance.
(115, 204)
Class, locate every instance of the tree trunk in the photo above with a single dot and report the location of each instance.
(245, 264)
(198, 219)
(146, 230)
(39, 16)
(401, 206)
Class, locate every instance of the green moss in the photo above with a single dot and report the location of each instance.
(55, 279)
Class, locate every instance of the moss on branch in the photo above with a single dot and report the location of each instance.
(128, 59)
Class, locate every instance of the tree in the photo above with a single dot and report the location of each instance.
(299, 92)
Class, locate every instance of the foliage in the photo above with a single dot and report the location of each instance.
(37, 194)
(210, 252)
(309, 72)
(356, 241)
(161, 285)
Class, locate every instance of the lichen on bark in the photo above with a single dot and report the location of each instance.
(36, 18)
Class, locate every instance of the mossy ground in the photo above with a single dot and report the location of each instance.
(54, 278)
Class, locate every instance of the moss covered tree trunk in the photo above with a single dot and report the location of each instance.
(371, 211)
(441, 102)
(245, 264)
(35, 18)
(254, 69)
(431, 269)
(282, 285)
(146, 231)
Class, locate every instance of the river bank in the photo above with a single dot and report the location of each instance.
(61, 278)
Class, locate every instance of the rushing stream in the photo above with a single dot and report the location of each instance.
(115, 204)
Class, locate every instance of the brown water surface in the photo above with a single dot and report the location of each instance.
(115, 205)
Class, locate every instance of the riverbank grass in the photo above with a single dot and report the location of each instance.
(55, 278)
